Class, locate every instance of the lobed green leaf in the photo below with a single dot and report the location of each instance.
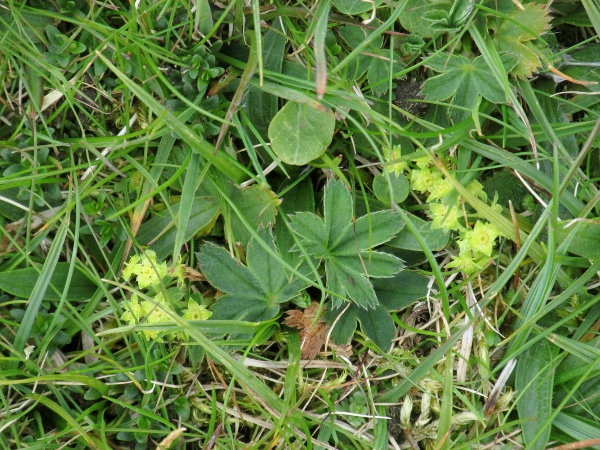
(338, 213)
(226, 273)
(246, 308)
(370, 231)
(312, 231)
(372, 264)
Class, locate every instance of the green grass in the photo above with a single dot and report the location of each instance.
(280, 308)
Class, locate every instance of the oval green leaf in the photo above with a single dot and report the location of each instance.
(399, 184)
(299, 133)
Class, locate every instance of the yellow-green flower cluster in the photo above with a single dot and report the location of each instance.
(476, 246)
(157, 311)
(147, 270)
(146, 311)
(477, 243)
(443, 206)
(149, 274)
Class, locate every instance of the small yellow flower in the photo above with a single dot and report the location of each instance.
(128, 271)
(133, 310)
(444, 217)
(440, 188)
(157, 313)
(195, 311)
(476, 188)
(392, 155)
(148, 271)
(481, 238)
(146, 312)
(467, 263)
(147, 276)
(423, 162)
(423, 179)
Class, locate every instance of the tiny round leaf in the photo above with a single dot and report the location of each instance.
(400, 188)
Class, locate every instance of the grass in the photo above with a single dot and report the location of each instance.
(180, 269)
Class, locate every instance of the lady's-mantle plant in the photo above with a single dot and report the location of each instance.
(476, 241)
(154, 277)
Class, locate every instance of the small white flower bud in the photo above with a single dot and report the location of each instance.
(463, 418)
(405, 412)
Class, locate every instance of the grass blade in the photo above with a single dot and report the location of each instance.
(37, 295)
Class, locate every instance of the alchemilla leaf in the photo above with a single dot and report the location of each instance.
(462, 80)
(415, 11)
(225, 273)
(370, 231)
(517, 36)
(253, 292)
(338, 213)
(346, 245)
